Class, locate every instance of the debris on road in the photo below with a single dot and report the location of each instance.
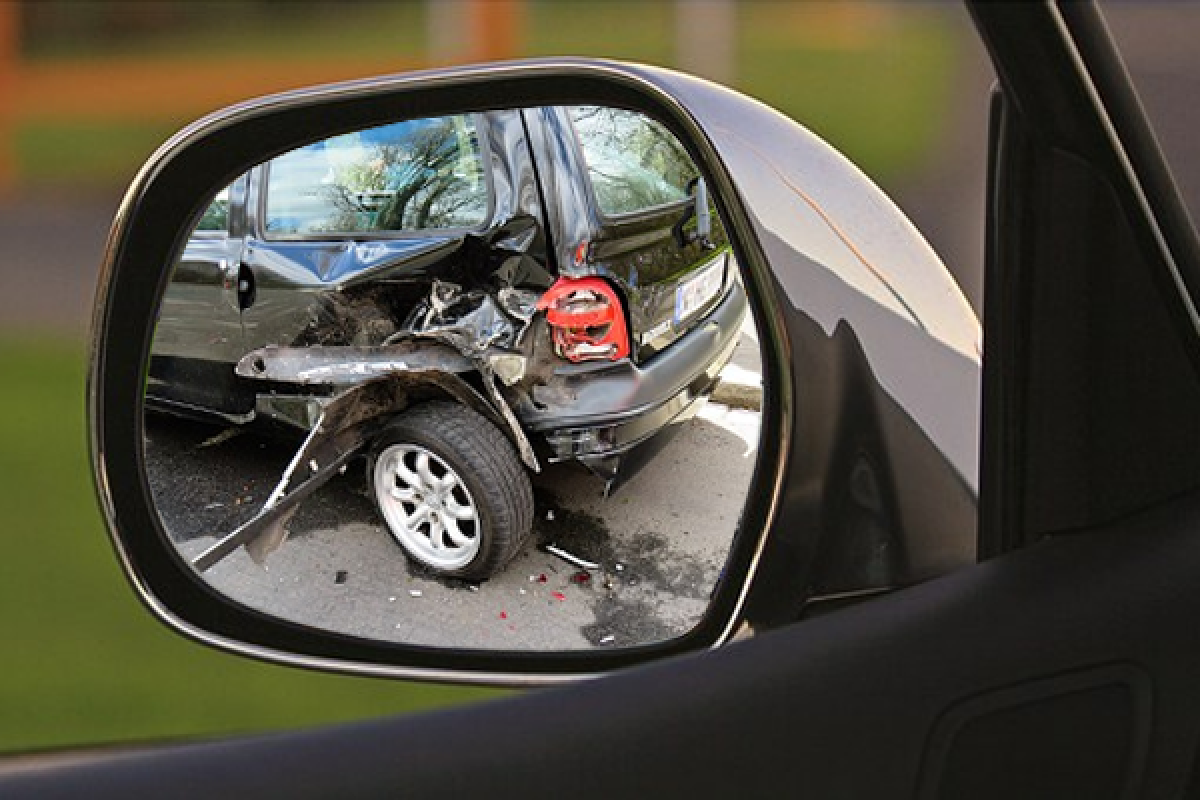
(340, 577)
(414, 593)
(559, 596)
(570, 558)
(608, 639)
(220, 438)
(582, 578)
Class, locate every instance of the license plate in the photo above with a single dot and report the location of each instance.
(694, 293)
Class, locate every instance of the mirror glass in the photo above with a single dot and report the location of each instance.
(485, 381)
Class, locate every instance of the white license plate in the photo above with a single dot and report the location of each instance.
(694, 293)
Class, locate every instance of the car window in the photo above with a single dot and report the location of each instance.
(634, 163)
(409, 176)
(216, 216)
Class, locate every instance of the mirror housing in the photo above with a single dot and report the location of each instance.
(870, 353)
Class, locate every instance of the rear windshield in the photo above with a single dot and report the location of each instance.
(415, 175)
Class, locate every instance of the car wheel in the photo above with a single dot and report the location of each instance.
(451, 490)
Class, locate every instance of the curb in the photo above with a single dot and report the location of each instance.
(737, 395)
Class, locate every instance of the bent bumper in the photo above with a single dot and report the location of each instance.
(597, 416)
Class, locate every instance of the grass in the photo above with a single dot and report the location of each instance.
(874, 81)
(82, 660)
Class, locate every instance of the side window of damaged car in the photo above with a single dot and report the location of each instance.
(633, 162)
(416, 175)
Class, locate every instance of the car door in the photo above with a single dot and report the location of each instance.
(200, 332)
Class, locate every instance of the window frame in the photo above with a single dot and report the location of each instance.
(236, 190)
(482, 131)
(624, 216)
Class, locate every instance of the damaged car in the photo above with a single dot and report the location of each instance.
(459, 300)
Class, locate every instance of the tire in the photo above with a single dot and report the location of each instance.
(451, 490)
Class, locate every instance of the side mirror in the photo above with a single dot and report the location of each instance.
(431, 306)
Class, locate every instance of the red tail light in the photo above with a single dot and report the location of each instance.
(586, 319)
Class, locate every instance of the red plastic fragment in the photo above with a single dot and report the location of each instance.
(581, 577)
(560, 596)
(503, 615)
(542, 578)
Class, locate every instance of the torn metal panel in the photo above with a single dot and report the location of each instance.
(498, 405)
(329, 445)
(344, 366)
(431, 359)
(346, 425)
(474, 319)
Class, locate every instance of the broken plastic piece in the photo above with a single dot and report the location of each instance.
(340, 577)
(570, 558)
(503, 615)
(559, 596)
(608, 639)
(414, 592)
(581, 577)
(313, 466)
(550, 515)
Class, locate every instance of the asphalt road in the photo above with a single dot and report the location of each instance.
(660, 541)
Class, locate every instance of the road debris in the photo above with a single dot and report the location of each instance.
(550, 515)
(340, 577)
(313, 466)
(582, 578)
(608, 639)
(570, 558)
(220, 438)
(414, 593)
(211, 506)
(503, 615)
(559, 596)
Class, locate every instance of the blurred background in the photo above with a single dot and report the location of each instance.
(89, 89)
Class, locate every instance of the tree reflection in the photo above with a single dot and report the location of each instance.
(414, 175)
(633, 161)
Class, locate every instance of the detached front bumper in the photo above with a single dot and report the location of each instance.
(598, 416)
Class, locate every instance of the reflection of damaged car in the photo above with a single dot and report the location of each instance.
(459, 299)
